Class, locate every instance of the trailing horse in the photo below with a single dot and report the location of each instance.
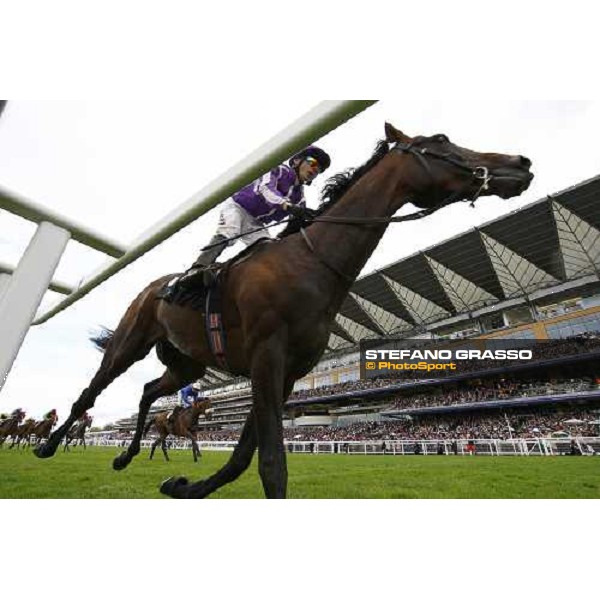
(77, 432)
(10, 426)
(42, 428)
(185, 425)
(279, 304)
(24, 433)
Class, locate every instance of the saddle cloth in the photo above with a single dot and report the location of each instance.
(209, 302)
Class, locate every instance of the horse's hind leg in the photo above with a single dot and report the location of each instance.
(165, 385)
(163, 446)
(135, 336)
(181, 371)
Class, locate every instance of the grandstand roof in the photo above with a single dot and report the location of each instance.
(553, 241)
(550, 242)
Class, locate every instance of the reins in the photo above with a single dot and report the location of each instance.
(421, 155)
(481, 173)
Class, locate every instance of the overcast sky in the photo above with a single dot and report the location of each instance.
(120, 166)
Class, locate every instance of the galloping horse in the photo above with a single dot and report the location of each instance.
(10, 425)
(43, 428)
(77, 432)
(24, 432)
(279, 304)
(185, 425)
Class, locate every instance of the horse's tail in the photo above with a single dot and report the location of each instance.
(102, 338)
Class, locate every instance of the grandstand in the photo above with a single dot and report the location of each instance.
(533, 275)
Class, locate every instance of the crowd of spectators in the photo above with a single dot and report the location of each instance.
(498, 390)
(475, 427)
(543, 424)
(348, 386)
(516, 424)
(544, 350)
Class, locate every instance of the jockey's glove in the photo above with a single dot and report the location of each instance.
(301, 212)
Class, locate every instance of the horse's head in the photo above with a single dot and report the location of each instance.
(444, 172)
(201, 404)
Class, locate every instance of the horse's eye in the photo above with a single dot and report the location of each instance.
(443, 138)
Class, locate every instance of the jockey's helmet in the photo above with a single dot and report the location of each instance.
(315, 152)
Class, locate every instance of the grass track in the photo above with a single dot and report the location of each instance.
(89, 474)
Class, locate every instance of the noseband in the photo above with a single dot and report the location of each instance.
(478, 173)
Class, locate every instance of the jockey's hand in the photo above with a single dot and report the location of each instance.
(301, 212)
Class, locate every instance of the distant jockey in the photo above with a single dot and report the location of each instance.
(186, 397)
(273, 197)
(51, 415)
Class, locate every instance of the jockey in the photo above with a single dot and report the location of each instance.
(186, 397)
(15, 414)
(273, 197)
(51, 415)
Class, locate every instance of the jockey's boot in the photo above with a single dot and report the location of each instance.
(198, 272)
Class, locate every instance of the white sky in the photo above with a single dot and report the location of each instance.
(120, 166)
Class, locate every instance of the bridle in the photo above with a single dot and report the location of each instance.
(421, 154)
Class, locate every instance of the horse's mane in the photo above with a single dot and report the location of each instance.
(337, 185)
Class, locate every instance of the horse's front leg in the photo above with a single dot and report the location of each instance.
(241, 457)
(268, 378)
(195, 449)
(153, 447)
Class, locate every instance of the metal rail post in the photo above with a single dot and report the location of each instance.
(4, 281)
(25, 290)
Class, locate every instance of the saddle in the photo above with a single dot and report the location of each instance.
(208, 300)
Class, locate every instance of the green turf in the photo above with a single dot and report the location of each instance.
(89, 474)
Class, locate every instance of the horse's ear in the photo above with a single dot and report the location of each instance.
(395, 135)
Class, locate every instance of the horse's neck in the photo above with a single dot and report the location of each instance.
(379, 193)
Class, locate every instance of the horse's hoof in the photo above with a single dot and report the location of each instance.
(174, 487)
(121, 461)
(44, 451)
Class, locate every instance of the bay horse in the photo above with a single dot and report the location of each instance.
(42, 428)
(24, 433)
(279, 304)
(185, 425)
(9, 427)
(77, 432)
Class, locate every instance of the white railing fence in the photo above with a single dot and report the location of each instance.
(461, 447)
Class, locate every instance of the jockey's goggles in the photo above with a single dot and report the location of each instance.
(313, 162)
